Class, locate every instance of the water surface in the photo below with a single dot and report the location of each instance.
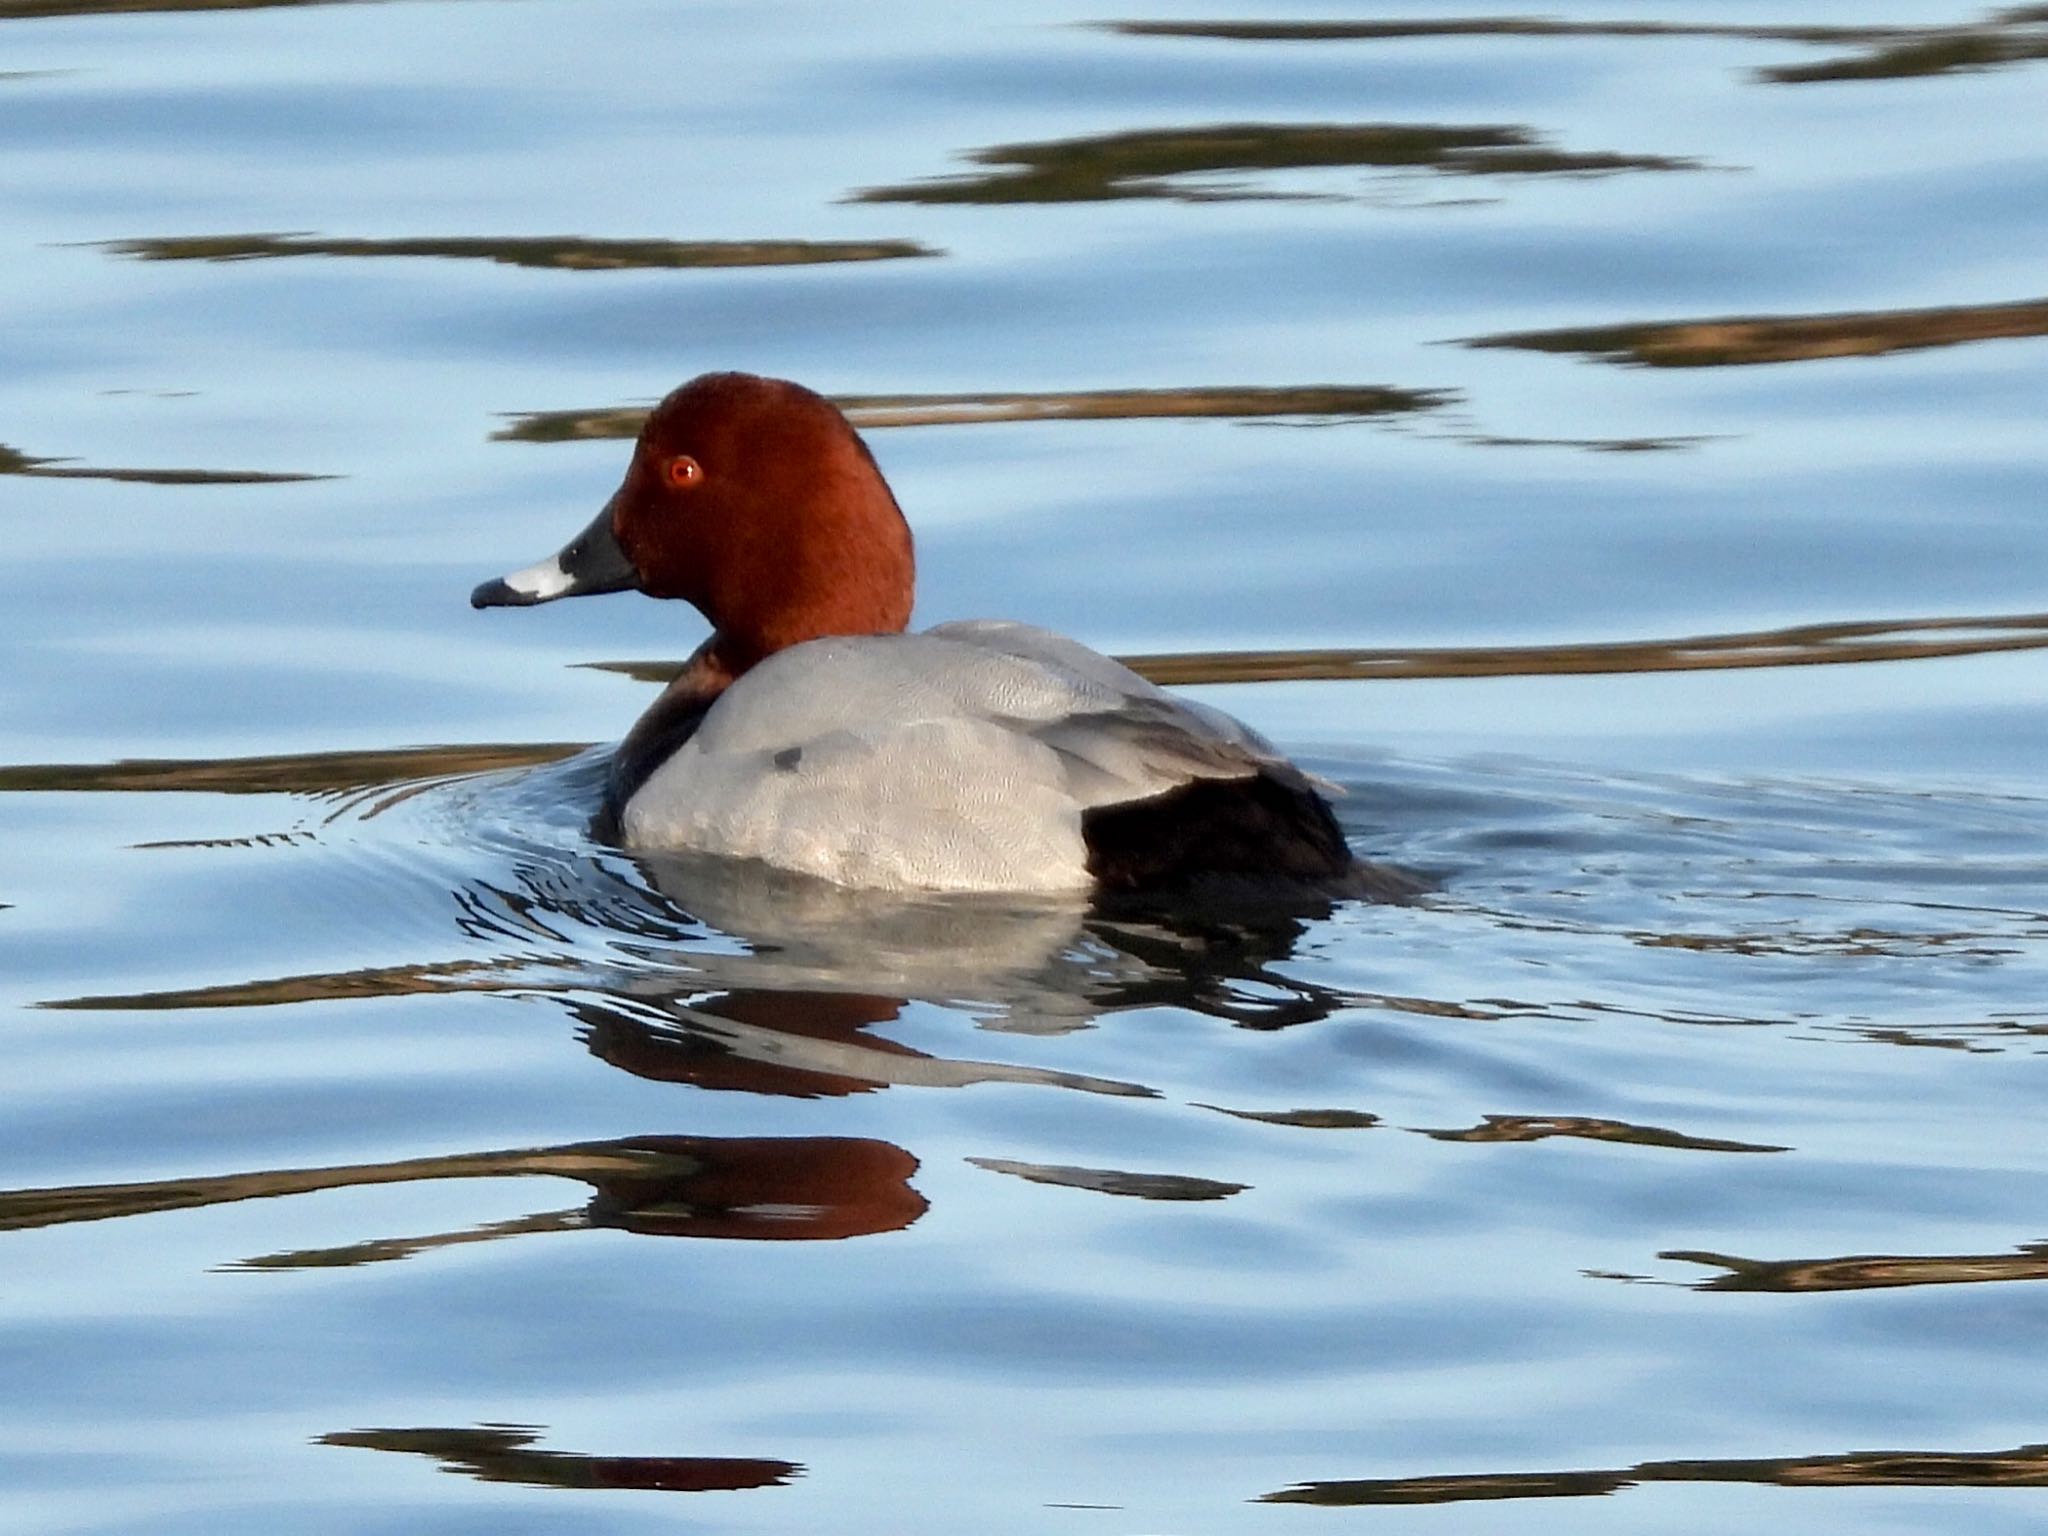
(384, 1152)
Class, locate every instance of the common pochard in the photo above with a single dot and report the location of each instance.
(811, 733)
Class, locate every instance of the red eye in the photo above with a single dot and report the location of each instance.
(682, 472)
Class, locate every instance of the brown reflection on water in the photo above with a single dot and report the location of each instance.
(1325, 402)
(570, 253)
(1983, 1037)
(775, 1188)
(1586, 444)
(501, 1453)
(1157, 162)
(315, 987)
(1739, 340)
(15, 462)
(319, 774)
(1797, 645)
(1305, 1119)
(1493, 1128)
(38, 9)
(2009, 36)
(1916, 1040)
(1483, 26)
(2004, 37)
(2023, 1467)
(1114, 1181)
(1866, 1271)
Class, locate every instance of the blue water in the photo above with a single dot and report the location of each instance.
(363, 1117)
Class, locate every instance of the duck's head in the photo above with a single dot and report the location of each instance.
(754, 500)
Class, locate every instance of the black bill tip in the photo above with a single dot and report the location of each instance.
(496, 594)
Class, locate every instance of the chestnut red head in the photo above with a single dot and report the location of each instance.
(754, 500)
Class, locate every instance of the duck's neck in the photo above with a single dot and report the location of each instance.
(671, 719)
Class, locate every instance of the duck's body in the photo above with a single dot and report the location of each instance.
(976, 756)
(810, 734)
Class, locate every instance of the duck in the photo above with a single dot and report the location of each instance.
(813, 732)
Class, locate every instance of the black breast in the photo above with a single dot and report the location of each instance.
(1257, 830)
(671, 720)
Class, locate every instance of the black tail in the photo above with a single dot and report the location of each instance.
(1257, 831)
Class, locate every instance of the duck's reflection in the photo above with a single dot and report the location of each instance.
(796, 1044)
(1026, 965)
(502, 1453)
(740, 977)
(793, 1003)
(803, 1039)
(762, 1188)
(2023, 1467)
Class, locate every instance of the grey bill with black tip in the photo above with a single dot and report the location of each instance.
(591, 562)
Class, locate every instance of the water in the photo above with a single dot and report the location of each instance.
(1662, 1170)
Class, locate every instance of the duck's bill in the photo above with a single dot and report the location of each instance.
(590, 562)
